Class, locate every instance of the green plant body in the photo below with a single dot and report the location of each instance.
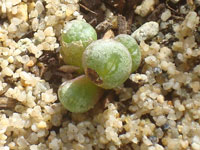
(79, 95)
(107, 63)
(132, 46)
(76, 36)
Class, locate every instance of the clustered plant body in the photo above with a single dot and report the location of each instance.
(107, 64)
(76, 36)
(79, 95)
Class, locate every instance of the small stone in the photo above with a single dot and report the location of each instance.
(49, 32)
(22, 12)
(192, 20)
(15, 2)
(195, 146)
(146, 31)
(35, 24)
(33, 14)
(145, 8)
(174, 1)
(166, 15)
(30, 63)
(31, 6)
(146, 141)
(46, 46)
(153, 139)
(4, 63)
(7, 71)
(171, 116)
(138, 78)
(161, 120)
(109, 34)
(50, 40)
(72, 1)
(12, 28)
(50, 20)
(39, 7)
(195, 86)
(184, 144)
(34, 147)
(165, 126)
(16, 21)
(21, 141)
(25, 59)
(40, 36)
(10, 59)
(11, 145)
(55, 144)
(42, 124)
(69, 12)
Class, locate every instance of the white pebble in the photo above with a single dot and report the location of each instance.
(10, 59)
(3, 8)
(7, 71)
(174, 1)
(145, 8)
(195, 146)
(16, 52)
(39, 7)
(34, 128)
(14, 10)
(166, 15)
(16, 21)
(15, 2)
(21, 141)
(35, 24)
(12, 28)
(39, 35)
(33, 147)
(49, 31)
(192, 20)
(146, 31)
(4, 63)
(5, 148)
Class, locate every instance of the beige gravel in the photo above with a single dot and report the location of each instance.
(161, 112)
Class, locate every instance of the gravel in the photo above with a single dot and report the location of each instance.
(146, 31)
(156, 109)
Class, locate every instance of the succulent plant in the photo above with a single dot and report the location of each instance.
(76, 36)
(79, 95)
(107, 63)
(132, 46)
